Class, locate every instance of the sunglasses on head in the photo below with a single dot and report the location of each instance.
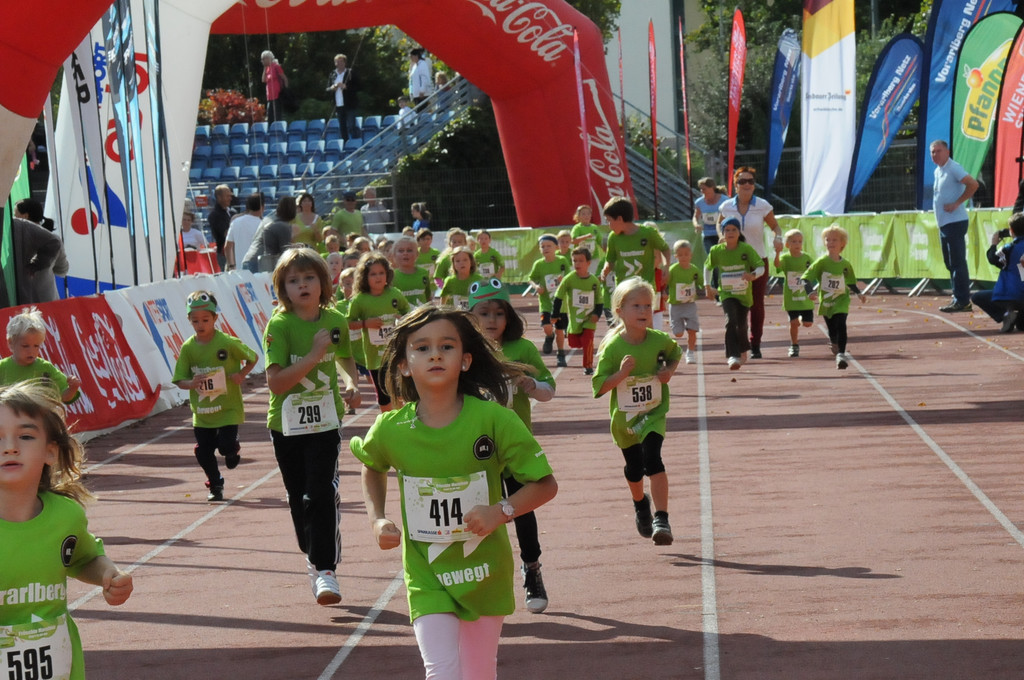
(745, 180)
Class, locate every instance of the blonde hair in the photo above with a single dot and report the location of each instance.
(302, 259)
(624, 291)
(468, 251)
(582, 206)
(681, 243)
(790, 234)
(453, 233)
(839, 231)
(38, 400)
(28, 321)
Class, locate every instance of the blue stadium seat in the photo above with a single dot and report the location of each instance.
(286, 171)
(201, 153)
(334, 151)
(285, 190)
(296, 151)
(389, 120)
(211, 175)
(195, 174)
(278, 132)
(219, 156)
(247, 190)
(353, 144)
(268, 172)
(315, 129)
(278, 152)
(305, 170)
(269, 195)
(323, 168)
(297, 131)
(315, 150)
(239, 133)
(258, 153)
(200, 163)
(371, 126)
(229, 174)
(239, 155)
(258, 133)
(221, 134)
(202, 135)
(250, 172)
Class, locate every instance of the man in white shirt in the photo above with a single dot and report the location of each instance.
(376, 217)
(243, 228)
(345, 88)
(953, 187)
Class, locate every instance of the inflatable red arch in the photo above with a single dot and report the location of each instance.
(519, 52)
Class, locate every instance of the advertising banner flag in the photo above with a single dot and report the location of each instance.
(1010, 118)
(8, 264)
(892, 92)
(737, 65)
(785, 78)
(652, 67)
(828, 120)
(976, 86)
(686, 114)
(948, 25)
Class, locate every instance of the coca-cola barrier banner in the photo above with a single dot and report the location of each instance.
(84, 338)
(521, 54)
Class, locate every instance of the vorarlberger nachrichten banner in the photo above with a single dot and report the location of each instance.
(829, 116)
(785, 79)
(979, 78)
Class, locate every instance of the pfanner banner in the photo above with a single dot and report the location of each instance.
(950, 20)
(976, 89)
(1008, 128)
(737, 65)
(785, 78)
(892, 91)
(829, 115)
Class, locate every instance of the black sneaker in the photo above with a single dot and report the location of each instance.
(957, 307)
(216, 491)
(533, 583)
(232, 460)
(794, 350)
(644, 520)
(1009, 321)
(662, 530)
(561, 359)
(588, 371)
(755, 352)
(549, 344)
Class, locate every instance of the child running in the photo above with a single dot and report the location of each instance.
(489, 302)
(489, 262)
(795, 301)
(739, 264)
(635, 364)
(455, 290)
(546, 274)
(581, 294)
(45, 537)
(450, 446)
(306, 347)
(374, 310)
(455, 238)
(415, 282)
(426, 256)
(835, 278)
(684, 280)
(212, 366)
(587, 235)
(26, 333)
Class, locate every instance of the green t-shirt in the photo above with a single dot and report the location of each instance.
(834, 280)
(355, 338)
(794, 294)
(579, 297)
(595, 237)
(417, 287)
(428, 261)
(633, 254)
(546, 276)
(346, 222)
(443, 265)
(12, 372)
(488, 264)
(219, 402)
(683, 283)
(455, 291)
(442, 474)
(388, 306)
(525, 352)
(732, 264)
(644, 402)
(38, 557)
(287, 339)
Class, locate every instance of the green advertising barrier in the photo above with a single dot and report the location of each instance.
(891, 245)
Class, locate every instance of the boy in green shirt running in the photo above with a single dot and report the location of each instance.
(795, 301)
(633, 249)
(546, 274)
(582, 296)
(212, 366)
(835, 278)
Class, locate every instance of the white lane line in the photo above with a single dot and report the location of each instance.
(964, 478)
(364, 626)
(709, 608)
(944, 318)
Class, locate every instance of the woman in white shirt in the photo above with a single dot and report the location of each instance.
(753, 213)
(191, 239)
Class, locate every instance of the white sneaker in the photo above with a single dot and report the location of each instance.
(734, 363)
(842, 361)
(690, 358)
(326, 588)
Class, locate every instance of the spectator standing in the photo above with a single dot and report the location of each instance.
(220, 219)
(377, 218)
(242, 230)
(347, 220)
(953, 187)
(35, 252)
(421, 79)
(32, 210)
(276, 81)
(345, 87)
(272, 238)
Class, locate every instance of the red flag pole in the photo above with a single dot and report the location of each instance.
(653, 69)
(622, 91)
(584, 133)
(686, 114)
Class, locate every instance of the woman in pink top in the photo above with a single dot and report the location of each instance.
(274, 77)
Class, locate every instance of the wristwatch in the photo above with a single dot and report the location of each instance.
(507, 509)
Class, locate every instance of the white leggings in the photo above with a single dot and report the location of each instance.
(453, 649)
